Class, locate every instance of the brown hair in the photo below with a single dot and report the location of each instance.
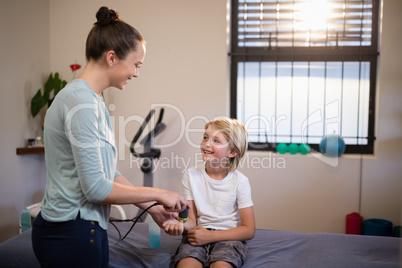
(236, 134)
(111, 33)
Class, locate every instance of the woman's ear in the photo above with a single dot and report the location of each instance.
(111, 58)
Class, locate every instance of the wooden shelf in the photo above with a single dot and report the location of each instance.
(31, 150)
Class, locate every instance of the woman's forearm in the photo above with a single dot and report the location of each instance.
(143, 205)
(123, 192)
(129, 194)
(123, 180)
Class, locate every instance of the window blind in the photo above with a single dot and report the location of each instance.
(301, 23)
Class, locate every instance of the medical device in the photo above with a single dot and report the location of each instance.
(150, 153)
(183, 216)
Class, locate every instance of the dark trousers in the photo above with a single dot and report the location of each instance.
(76, 243)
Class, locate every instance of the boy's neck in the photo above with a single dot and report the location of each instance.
(218, 173)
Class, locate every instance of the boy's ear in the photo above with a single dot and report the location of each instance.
(232, 153)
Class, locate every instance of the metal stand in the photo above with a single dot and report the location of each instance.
(150, 153)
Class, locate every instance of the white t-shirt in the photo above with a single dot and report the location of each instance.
(217, 201)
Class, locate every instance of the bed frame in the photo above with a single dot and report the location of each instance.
(269, 248)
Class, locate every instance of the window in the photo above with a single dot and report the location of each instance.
(302, 69)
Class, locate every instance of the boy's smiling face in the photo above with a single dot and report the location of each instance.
(215, 146)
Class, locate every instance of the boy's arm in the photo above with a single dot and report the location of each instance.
(200, 236)
(175, 227)
(192, 216)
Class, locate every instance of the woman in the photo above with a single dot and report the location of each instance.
(81, 179)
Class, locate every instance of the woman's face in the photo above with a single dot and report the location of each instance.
(125, 70)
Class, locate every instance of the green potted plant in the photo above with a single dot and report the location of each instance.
(53, 85)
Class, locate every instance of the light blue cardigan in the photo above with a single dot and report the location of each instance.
(80, 156)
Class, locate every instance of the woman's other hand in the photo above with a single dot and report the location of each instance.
(172, 201)
(160, 215)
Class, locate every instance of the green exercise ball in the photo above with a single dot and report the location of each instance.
(282, 148)
(293, 148)
(304, 148)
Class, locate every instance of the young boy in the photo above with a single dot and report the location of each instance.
(221, 216)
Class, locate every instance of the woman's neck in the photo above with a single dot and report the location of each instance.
(96, 77)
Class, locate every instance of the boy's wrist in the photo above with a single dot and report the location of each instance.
(216, 236)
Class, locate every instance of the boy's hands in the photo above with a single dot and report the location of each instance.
(199, 236)
(173, 227)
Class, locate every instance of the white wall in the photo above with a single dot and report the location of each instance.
(186, 69)
(25, 61)
(382, 179)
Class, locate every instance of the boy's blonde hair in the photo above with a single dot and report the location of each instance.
(236, 134)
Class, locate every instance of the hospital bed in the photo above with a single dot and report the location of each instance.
(269, 248)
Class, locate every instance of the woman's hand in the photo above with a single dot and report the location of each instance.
(173, 227)
(172, 201)
(160, 215)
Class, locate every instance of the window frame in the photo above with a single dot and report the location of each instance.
(307, 54)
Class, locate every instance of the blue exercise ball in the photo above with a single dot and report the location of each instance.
(332, 145)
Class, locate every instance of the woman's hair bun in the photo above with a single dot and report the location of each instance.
(106, 16)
